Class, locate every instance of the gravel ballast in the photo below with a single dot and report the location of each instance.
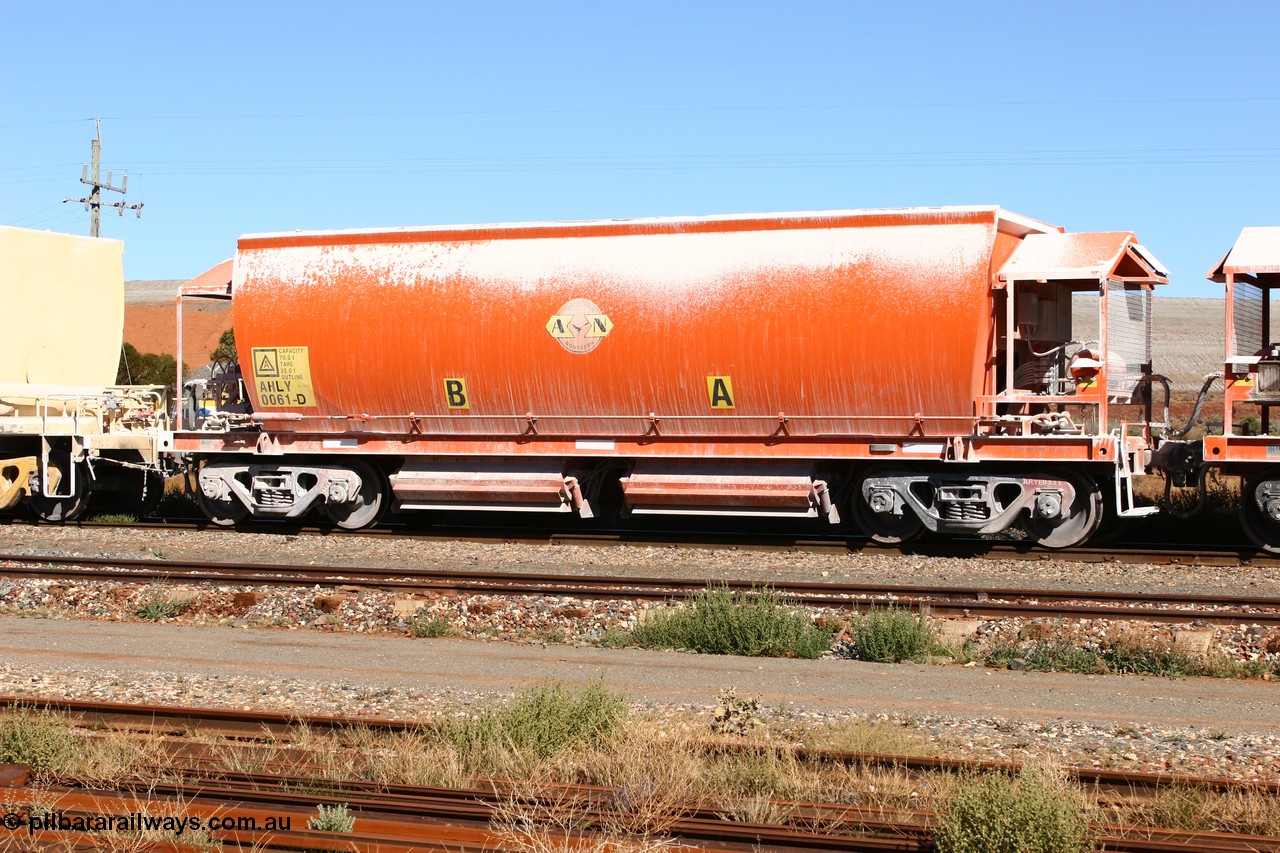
(1133, 735)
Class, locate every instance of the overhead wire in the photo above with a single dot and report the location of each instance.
(693, 108)
(710, 108)
(20, 219)
(689, 161)
(59, 219)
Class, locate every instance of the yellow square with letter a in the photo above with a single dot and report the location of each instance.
(720, 392)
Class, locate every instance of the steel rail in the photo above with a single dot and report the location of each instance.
(895, 829)
(386, 836)
(940, 600)
(387, 805)
(1220, 555)
(256, 725)
(453, 819)
(1109, 787)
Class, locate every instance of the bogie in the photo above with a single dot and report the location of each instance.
(351, 493)
(1058, 507)
(1260, 509)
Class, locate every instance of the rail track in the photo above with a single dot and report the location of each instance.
(943, 601)
(265, 725)
(458, 823)
(745, 539)
(405, 817)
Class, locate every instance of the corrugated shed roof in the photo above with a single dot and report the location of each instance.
(1257, 250)
(213, 282)
(1083, 256)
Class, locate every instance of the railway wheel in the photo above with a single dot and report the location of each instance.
(1260, 509)
(1112, 526)
(66, 508)
(366, 506)
(1079, 521)
(217, 502)
(227, 512)
(883, 527)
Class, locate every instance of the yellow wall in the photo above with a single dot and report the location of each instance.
(61, 307)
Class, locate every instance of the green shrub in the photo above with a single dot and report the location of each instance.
(157, 606)
(1142, 655)
(154, 611)
(1132, 652)
(1047, 656)
(40, 739)
(335, 818)
(889, 634)
(719, 621)
(437, 626)
(541, 721)
(148, 368)
(612, 638)
(1032, 813)
(1222, 666)
(114, 518)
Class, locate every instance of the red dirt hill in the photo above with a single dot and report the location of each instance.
(149, 322)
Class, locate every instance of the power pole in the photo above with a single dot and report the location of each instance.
(93, 203)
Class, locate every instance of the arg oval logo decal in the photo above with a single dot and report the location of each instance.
(579, 326)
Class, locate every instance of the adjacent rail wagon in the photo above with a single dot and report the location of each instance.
(67, 432)
(908, 370)
(1251, 374)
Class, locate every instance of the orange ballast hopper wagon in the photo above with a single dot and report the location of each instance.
(711, 363)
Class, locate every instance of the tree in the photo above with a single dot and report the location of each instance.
(226, 350)
(146, 368)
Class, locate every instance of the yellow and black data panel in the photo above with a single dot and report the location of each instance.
(455, 393)
(282, 377)
(720, 392)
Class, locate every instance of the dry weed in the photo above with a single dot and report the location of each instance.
(756, 808)
(880, 738)
(113, 757)
(408, 758)
(535, 817)
(656, 776)
(1189, 807)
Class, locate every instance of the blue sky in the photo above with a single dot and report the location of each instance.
(232, 118)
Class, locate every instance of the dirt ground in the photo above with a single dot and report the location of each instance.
(151, 327)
